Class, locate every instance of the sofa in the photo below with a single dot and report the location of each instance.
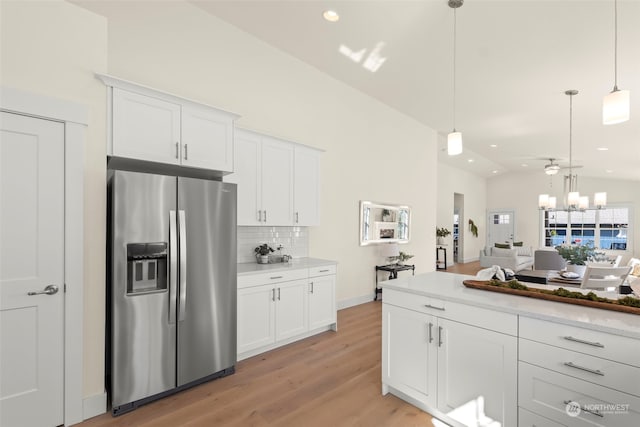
(517, 258)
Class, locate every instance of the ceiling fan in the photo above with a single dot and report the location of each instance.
(552, 168)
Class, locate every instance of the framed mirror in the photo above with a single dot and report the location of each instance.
(384, 223)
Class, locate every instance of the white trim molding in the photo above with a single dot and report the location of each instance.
(93, 406)
(351, 302)
(75, 119)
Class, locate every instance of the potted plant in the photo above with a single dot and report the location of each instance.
(577, 256)
(441, 233)
(262, 253)
(400, 258)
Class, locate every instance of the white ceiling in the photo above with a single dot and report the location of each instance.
(515, 59)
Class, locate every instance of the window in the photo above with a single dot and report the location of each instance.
(501, 218)
(605, 229)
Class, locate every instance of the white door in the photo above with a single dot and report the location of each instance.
(307, 187)
(291, 312)
(207, 139)
(31, 259)
(145, 128)
(501, 227)
(477, 363)
(256, 317)
(277, 182)
(322, 301)
(246, 174)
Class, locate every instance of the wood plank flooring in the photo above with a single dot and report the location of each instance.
(469, 268)
(332, 379)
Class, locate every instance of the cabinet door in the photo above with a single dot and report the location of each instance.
(277, 181)
(207, 139)
(291, 312)
(475, 362)
(306, 186)
(409, 352)
(256, 317)
(246, 174)
(145, 128)
(322, 301)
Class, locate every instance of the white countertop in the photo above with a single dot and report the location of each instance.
(294, 264)
(449, 287)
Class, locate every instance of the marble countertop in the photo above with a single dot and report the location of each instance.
(294, 264)
(449, 287)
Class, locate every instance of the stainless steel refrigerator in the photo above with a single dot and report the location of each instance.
(171, 285)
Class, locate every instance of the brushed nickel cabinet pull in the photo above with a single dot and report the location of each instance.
(596, 413)
(430, 332)
(439, 336)
(177, 150)
(582, 368)
(592, 343)
(185, 151)
(275, 277)
(433, 306)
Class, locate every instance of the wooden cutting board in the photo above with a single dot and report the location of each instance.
(536, 293)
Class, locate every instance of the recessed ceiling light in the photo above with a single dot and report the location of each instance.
(524, 165)
(602, 149)
(470, 160)
(609, 171)
(493, 146)
(331, 15)
(494, 171)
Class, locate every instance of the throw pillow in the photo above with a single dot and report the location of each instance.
(503, 245)
(633, 262)
(502, 252)
(636, 270)
(524, 251)
(518, 243)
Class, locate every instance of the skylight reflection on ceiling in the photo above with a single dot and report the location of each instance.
(372, 62)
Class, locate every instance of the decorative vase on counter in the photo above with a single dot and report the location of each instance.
(263, 259)
(578, 269)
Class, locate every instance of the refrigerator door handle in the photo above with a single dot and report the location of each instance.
(173, 266)
(182, 233)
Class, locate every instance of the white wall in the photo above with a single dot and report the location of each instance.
(372, 151)
(520, 192)
(453, 180)
(53, 48)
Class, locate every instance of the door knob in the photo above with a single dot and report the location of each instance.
(49, 290)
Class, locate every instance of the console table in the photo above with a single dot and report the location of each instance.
(393, 273)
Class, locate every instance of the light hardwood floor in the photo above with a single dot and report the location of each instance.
(332, 379)
(469, 268)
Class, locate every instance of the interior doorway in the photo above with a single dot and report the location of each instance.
(458, 231)
(500, 227)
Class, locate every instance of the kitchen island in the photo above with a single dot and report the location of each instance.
(519, 361)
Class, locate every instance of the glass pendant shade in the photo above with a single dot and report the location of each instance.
(583, 202)
(600, 200)
(552, 202)
(543, 201)
(454, 143)
(573, 199)
(615, 107)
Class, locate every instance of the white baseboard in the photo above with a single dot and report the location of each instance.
(346, 303)
(94, 405)
(466, 260)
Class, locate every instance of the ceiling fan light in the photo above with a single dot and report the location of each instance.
(551, 169)
(615, 107)
(454, 143)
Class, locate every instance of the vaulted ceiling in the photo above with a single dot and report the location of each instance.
(515, 59)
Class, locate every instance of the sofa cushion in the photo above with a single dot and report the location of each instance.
(524, 251)
(502, 245)
(509, 253)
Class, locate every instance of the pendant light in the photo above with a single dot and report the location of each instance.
(454, 139)
(615, 106)
(573, 196)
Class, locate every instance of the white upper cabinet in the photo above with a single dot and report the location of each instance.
(147, 124)
(306, 184)
(145, 128)
(277, 182)
(273, 188)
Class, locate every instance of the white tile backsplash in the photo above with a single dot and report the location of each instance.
(294, 241)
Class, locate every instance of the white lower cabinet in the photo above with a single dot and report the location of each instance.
(277, 308)
(443, 364)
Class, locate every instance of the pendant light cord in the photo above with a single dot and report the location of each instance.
(454, 69)
(615, 46)
(570, 140)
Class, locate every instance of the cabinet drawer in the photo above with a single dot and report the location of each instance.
(483, 318)
(247, 280)
(548, 393)
(600, 371)
(529, 419)
(596, 343)
(322, 271)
